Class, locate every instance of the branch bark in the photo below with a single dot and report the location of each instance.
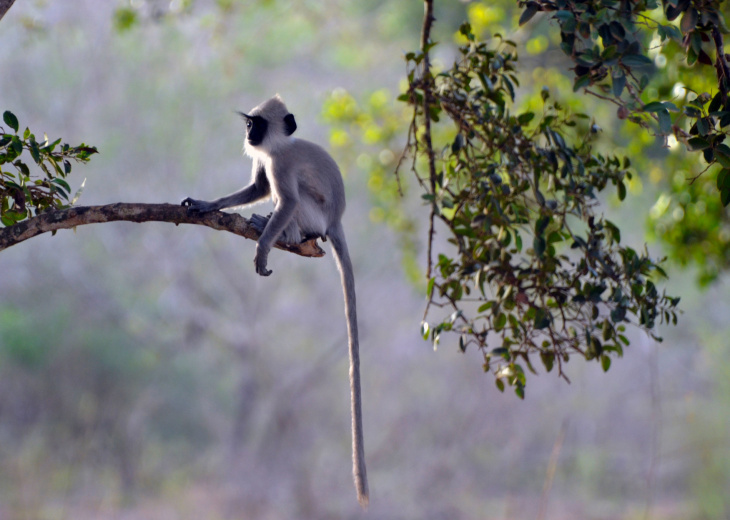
(427, 82)
(4, 6)
(173, 213)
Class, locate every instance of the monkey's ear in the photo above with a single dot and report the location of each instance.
(289, 124)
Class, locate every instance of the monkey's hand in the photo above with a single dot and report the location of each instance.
(260, 261)
(198, 206)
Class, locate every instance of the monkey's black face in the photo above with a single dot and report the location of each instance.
(256, 127)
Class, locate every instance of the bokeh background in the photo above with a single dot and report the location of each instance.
(147, 372)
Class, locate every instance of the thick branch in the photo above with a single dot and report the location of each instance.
(173, 213)
(4, 6)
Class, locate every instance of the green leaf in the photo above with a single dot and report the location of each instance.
(581, 82)
(614, 230)
(484, 307)
(17, 145)
(429, 287)
(531, 8)
(35, 152)
(689, 20)
(520, 391)
(11, 120)
(500, 322)
(654, 106)
(703, 127)
(619, 82)
(125, 18)
(539, 245)
(692, 112)
(605, 362)
(525, 118)
(637, 61)
(665, 122)
(542, 319)
(723, 179)
(725, 196)
(548, 359)
(697, 143)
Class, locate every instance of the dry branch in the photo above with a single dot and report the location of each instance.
(4, 6)
(173, 213)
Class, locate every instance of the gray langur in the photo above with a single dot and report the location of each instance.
(309, 199)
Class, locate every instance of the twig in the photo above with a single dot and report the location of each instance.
(552, 467)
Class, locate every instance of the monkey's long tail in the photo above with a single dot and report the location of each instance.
(342, 255)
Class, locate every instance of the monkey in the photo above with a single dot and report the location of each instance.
(306, 186)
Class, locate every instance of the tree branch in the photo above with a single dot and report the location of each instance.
(4, 6)
(427, 81)
(120, 211)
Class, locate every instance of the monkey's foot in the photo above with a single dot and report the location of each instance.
(258, 222)
(198, 206)
(306, 238)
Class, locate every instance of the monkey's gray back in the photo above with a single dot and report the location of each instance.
(320, 188)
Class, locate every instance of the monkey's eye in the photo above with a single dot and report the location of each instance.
(249, 123)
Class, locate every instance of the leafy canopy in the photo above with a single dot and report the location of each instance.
(532, 271)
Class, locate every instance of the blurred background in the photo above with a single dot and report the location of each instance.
(147, 372)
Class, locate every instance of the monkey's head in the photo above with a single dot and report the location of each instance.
(268, 124)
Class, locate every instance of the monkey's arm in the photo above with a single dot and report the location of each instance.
(280, 219)
(257, 190)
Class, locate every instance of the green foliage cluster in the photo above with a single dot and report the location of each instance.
(23, 194)
(691, 220)
(610, 43)
(533, 271)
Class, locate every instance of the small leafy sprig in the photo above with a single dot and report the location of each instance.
(23, 194)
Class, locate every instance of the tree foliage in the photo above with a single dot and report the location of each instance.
(532, 271)
(24, 193)
(616, 47)
(532, 268)
(609, 42)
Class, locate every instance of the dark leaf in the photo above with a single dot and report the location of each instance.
(11, 120)
(665, 122)
(697, 143)
(704, 58)
(530, 9)
(725, 196)
(637, 61)
(723, 179)
(619, 82)
(689, 20)
(654, 106)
